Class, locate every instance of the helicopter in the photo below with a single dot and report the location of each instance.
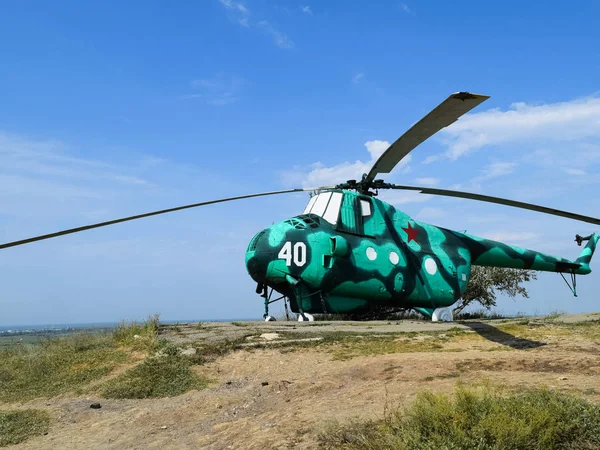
(349, 250)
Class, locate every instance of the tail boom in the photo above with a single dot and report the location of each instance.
(486, 252)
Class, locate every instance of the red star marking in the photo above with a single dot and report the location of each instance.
(411, 232)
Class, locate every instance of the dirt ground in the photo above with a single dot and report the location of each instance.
(280, 397)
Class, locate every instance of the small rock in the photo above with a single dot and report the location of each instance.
(136, 336)
(188, 351)
(562, 378)
(228, 382)
(95, 406)
(265, 383)
(269, 336)
(164, 427)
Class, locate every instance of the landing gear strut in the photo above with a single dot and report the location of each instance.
(263, 290)
(302, 317)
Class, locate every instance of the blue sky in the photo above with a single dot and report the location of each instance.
(111, 109)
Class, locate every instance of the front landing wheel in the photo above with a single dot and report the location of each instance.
(305, 317)
(442, 315)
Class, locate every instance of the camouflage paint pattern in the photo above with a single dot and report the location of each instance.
(383, 258)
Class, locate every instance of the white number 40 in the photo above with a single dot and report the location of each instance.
(299, 253)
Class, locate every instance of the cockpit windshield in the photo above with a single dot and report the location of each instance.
(326, 205)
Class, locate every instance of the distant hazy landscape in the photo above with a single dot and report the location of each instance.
(23, 335)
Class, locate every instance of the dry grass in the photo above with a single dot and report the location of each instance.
(56, 366)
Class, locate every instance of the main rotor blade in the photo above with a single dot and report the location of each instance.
(500, 201)
(441, 116)
(154, 213)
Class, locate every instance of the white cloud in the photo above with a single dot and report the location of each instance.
(394, 197)
(242, 15)
(428, 181)
(494, 170)
(404, 7)
(509, 236)
(319, 174)
(219, 90)
(306, 9)
(565, 122)
(21, 157)
(234, 6)
(430, 213)
(358, 78)
(280, 39)
(576, 172)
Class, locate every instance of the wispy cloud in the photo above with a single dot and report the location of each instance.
(428, 181)
(306, 9)
(430, 213)
(243, 16)
(25, 157)
(493, 170)
(218, 90)
(358, 78)
(280, 39)
(510, 236)
(404, 7)
(404, 197)
(576, 172)
(563, 122)
(319, 174)
(234, 6)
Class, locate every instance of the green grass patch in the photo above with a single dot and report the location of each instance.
(57, 365)
(159, 376)
(139, 336)
(443, 376)
(476, 419)
(383, 346)
(18, 426)
(347, 345)
(69, 363)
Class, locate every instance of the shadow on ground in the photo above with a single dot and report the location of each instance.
(493, 334)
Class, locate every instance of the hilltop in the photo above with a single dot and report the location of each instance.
(257, 385)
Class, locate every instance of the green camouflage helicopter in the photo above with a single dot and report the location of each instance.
(349, 250)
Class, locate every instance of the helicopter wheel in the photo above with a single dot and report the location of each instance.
(270, 319)
(305, 317)
(442, 315)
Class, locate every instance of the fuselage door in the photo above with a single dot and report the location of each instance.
(355, 214)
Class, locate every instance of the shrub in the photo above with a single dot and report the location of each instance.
(157, 376)
(484, 419)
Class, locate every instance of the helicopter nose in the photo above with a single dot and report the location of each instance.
(258, 256)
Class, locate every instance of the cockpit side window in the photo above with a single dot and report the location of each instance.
(365, 207)
(320, 204)
(333, 208)
(311, 203)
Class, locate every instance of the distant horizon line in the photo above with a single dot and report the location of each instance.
(114, 323)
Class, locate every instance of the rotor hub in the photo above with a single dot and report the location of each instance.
(364, 185)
